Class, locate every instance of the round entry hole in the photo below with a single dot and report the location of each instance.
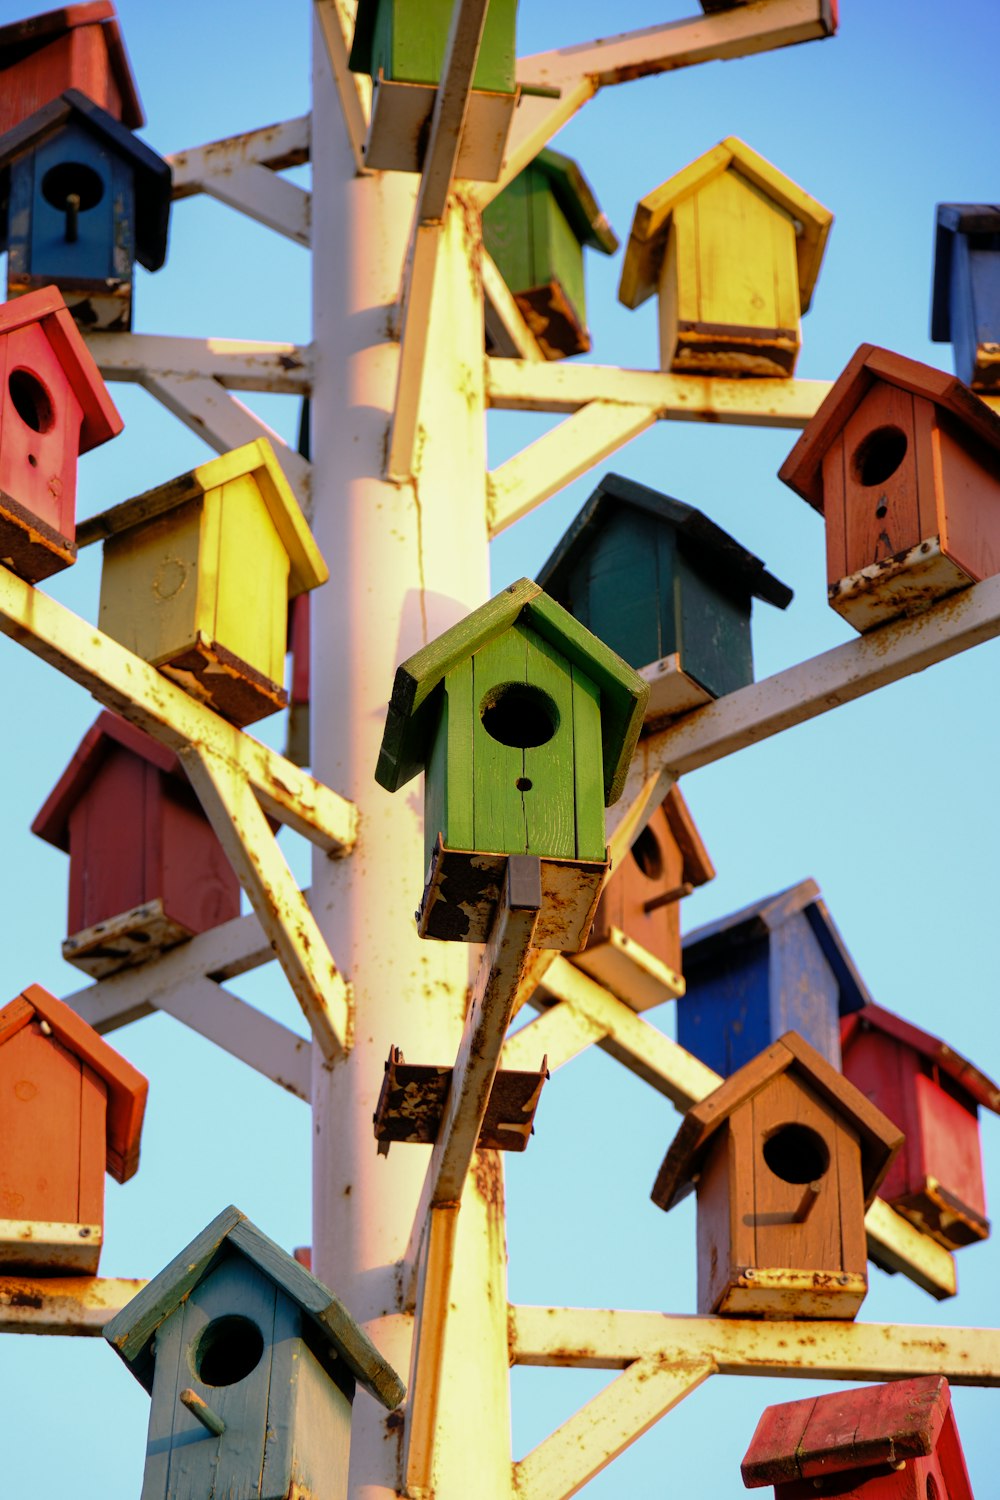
(228, 1350)
(879, 455)
(647, 854)
(72, 179)
(30, 400)
(519, 715)
(796, 1154)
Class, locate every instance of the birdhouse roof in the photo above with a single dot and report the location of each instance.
(878, 1138)
(47, 308)
(151, 173)
(20, 39)
(131, 1333)
(729, 934)
(127, 1089)
(648, 237)
(108, 731)
(730, 565)
(410, 721)
(802, 470)
(698, 866)
(866, 1428)
(575, 197)
(307, 568)
(952, 219)
(982, 1090)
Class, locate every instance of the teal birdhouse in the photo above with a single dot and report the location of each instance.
(252, 1366)
(525, 725)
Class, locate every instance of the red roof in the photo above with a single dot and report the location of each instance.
(20, 38)
(47, 308)
(127, 1088)
(872, 1017)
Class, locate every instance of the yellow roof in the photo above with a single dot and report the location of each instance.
(647, 240)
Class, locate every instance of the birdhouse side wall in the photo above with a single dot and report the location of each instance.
(653, 866)
(712, 627)
(885, 1070)
(725, 1240)
(804, 992)
(200, 889)
(969, 489)
(76, 60)
(953, 1156)
(408, 43)
(153, 596)
(541, 260)
(251, 568)
(109, 830)
(40, 420)
(308, 1416)
(621, 587)
(448, 777)
(975, 309)
(724, 1017)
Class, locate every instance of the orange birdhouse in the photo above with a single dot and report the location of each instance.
(75, 47)
(70, 1107)
(904, 463)
(786, 1156)
(53, 407)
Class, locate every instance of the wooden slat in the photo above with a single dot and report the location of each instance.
(266, 198)
(236, 364)
(74, 1305)
(336, 24)
(276, 146)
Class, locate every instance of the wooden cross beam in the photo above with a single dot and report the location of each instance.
(235, 364)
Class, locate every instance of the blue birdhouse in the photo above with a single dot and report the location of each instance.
(779, 965)
(82, 200)
(252, 1366)
(965, 311)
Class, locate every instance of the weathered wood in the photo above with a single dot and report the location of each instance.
(276, 146)
(235, 364)
(62, 1305)
(76, 47)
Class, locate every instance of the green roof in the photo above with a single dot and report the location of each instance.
(575, 197)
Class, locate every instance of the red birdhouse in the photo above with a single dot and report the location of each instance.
(786, 1155)
(933, 1094)
(146, 870)
(53, 407)
(70, 1107)
(882, 1442)
(904, 463)
(75, 47)
(638, 918)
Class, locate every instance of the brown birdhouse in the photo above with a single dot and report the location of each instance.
(933, 1094)
(53, 407)
(75, 47)
(882, 1442)
(70, 1107)
(146, 870)
(904, 463)
(634, 948)
(786, 1156)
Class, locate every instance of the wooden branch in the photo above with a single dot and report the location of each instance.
(354, 91)
(274, 146)
(560, 1033)
(75, 1305)
(266, 198)
(505, 322)
(236, 364)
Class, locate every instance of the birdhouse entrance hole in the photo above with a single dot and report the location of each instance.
(519, 715)
(796, 1154)
(69, 179)
(880, 455)
(647, 854)
(228, 1350)
(30, 400)
(932, 1489)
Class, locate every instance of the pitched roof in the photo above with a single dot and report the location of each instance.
(802, 470)
(729, 563)
(152, 174)
(575, 197)
(953, 219)
(47, 308)
(958, 1068)
(127, 1088)
(698, 866)
(131, 1332)
(753, 922)
(410, 720)
(19, 39)
(307, 568)
(648, 237)
(878, 1138)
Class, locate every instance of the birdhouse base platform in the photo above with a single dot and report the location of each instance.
(552, 318)
(401, 117)
(30, 547)
(731, 353)
(36, 1247)
(412, 1103)
(463, 890)
(905, 584)
(671, 692)
(224, 682)
(776, 1292)
(98, 305)
(938, 1213)
(630, 971)
(123, 941)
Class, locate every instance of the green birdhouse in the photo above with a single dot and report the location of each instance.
(536, 230)
(525, 725)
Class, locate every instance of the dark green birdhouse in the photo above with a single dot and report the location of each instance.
(666, 588)
(252, 1366)
(81, 200)
(525, 724)
(536, 230)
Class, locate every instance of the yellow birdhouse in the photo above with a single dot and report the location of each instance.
(198, 574)
(732, 248)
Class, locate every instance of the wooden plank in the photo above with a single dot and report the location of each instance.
(271, 1049)
(264, 197)
(335, 19)
(560, 1033)
(64, 1305)
(236, 364)
(276, 146)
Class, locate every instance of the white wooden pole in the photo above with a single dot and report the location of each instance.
(407, 560)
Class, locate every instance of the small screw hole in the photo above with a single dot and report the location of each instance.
(33, 461)
(523, 784)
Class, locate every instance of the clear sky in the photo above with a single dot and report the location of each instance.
(889, 804)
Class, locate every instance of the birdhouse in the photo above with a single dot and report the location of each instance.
(634, 948)
(883, 1442)
(412, 1103)
(174, 586)
(536, 230)
(402, 48)
(778, 965)
(84, 200)
(252, 1366)
(933, 1094)
(666, 588)
(70, 1107)
(299, 632)
(904, 464)
(525, 725)
(76, 47)
(732, 249)
(787, 1156)
(146, 869)
(53, 407)
(965, 310)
